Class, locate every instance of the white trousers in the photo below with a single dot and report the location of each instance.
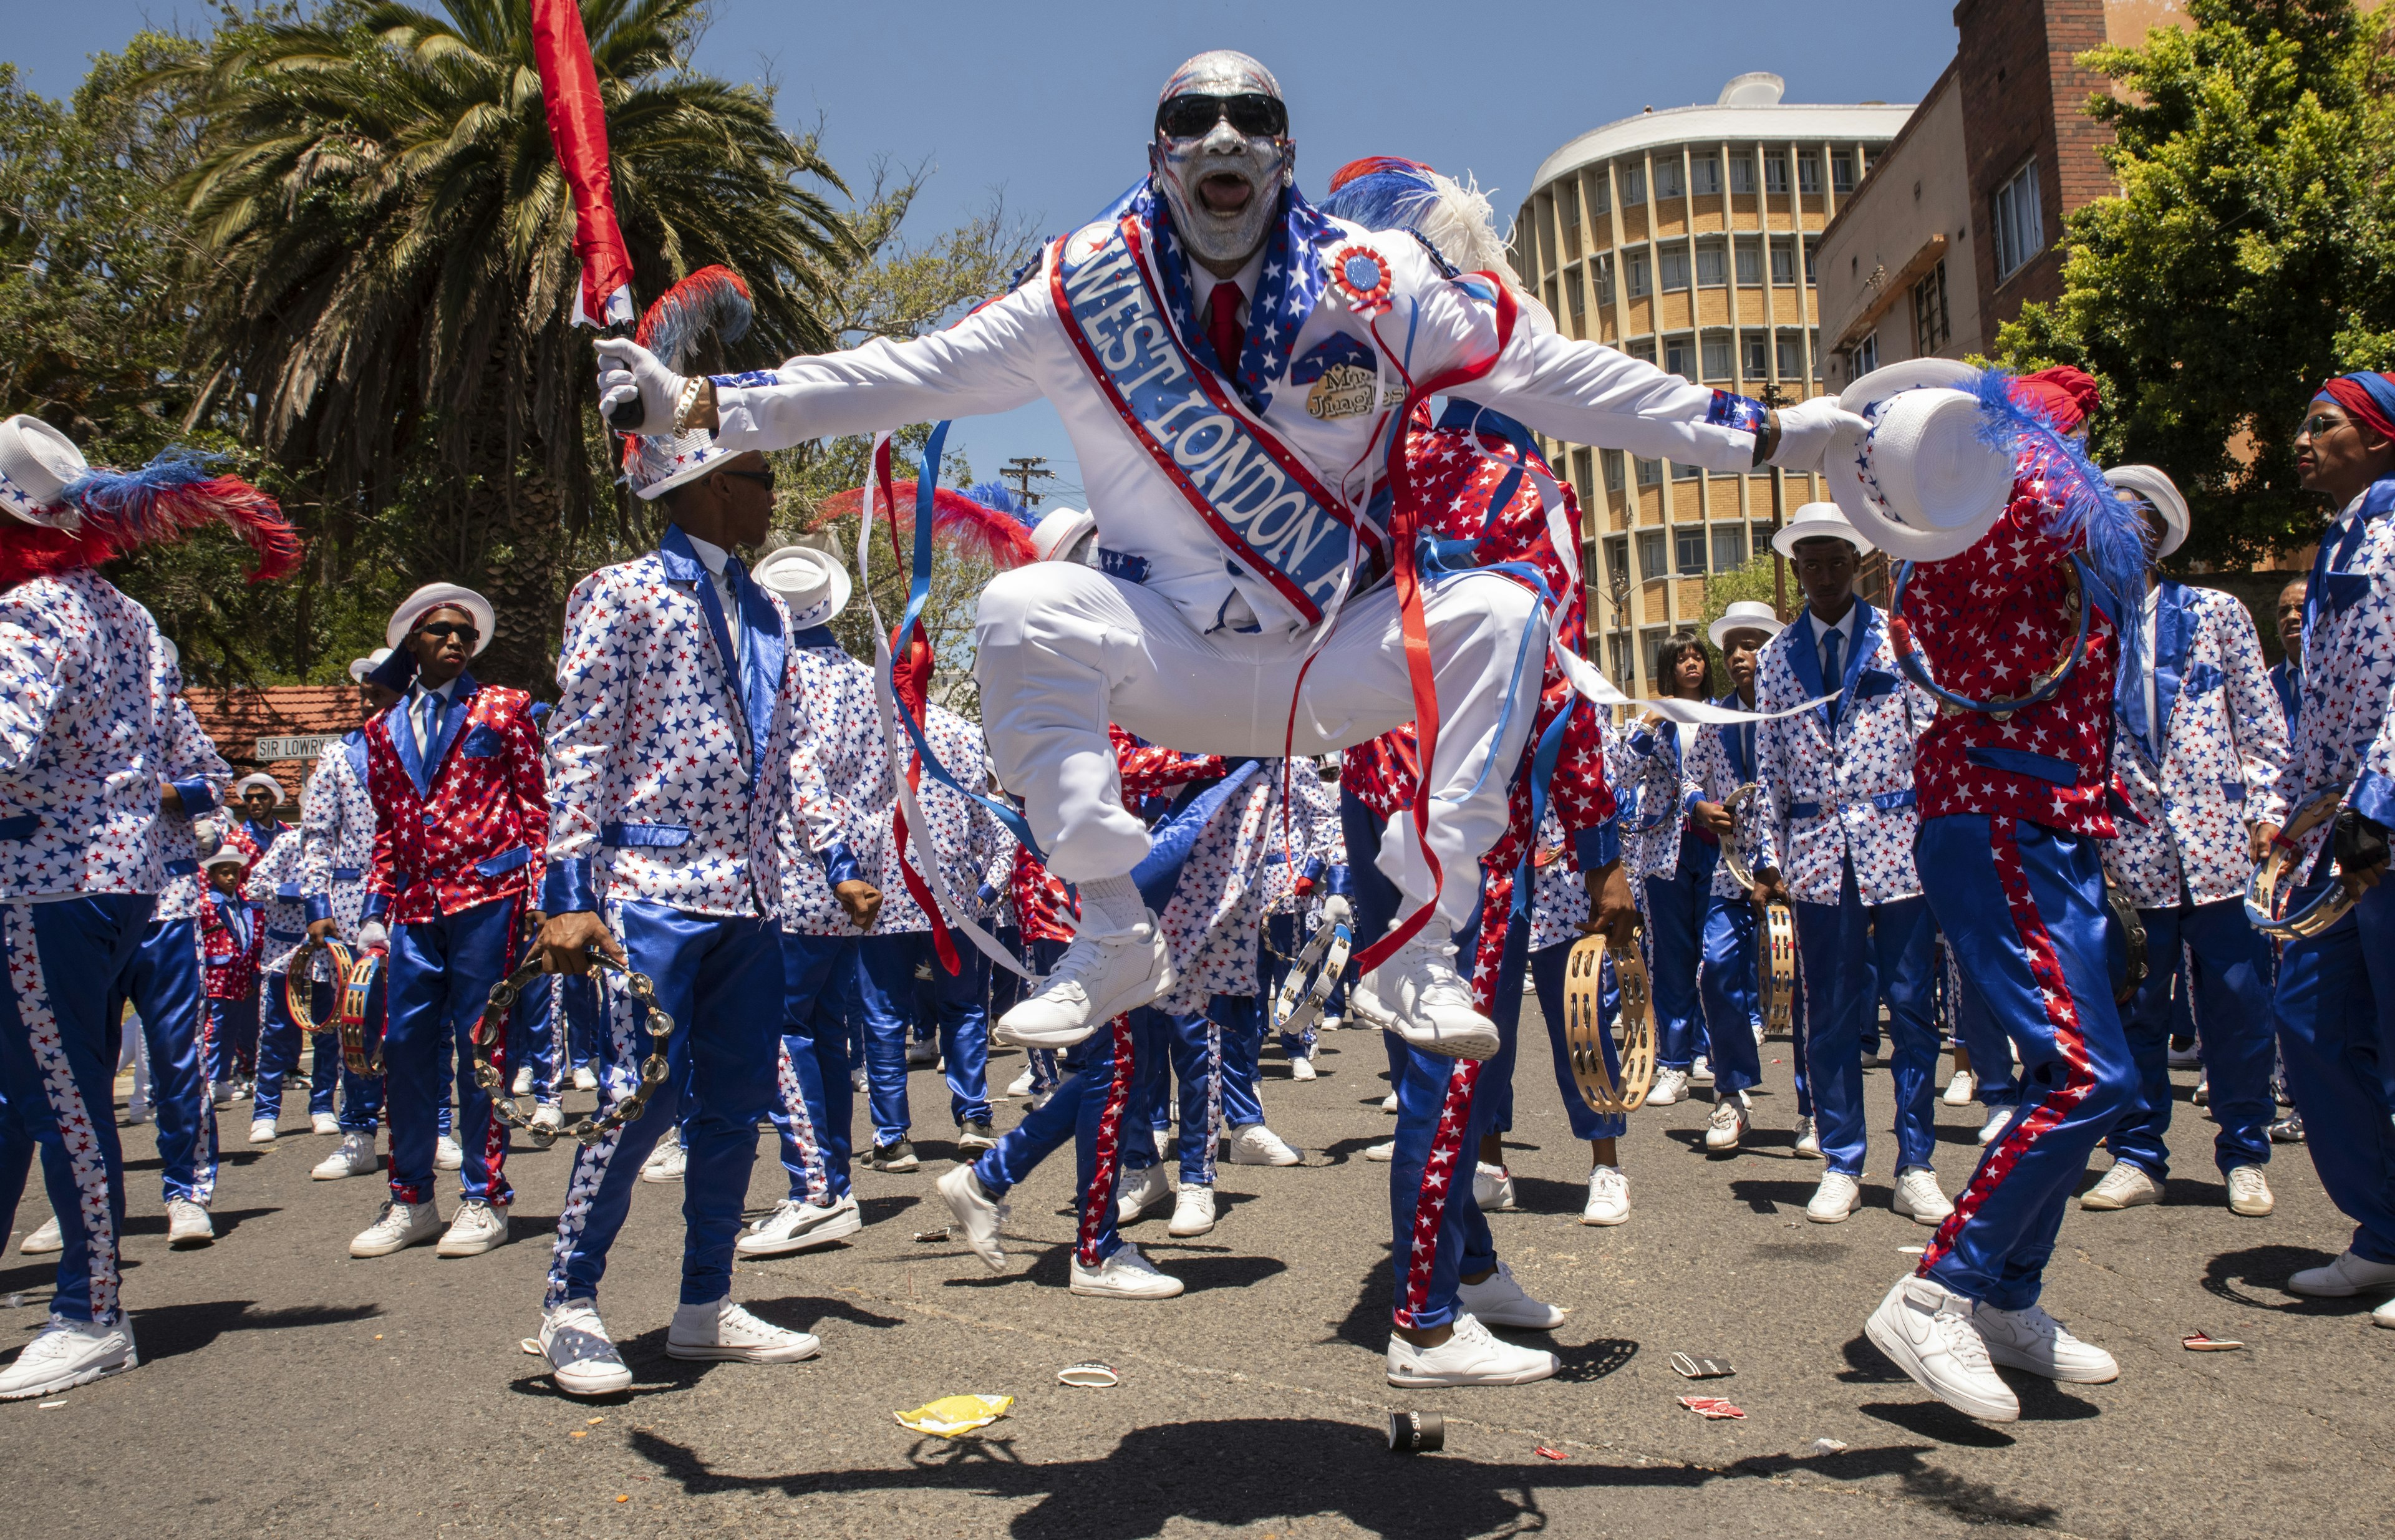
(1064, 649)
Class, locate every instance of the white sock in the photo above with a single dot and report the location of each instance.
(1114, 902)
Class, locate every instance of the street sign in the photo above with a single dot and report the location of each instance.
(305, 746)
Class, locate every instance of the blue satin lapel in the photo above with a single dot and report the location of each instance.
(2174, 633)
(1868, 632)
(683, 565)
(402, 741)
(1805, 662)
(353, 743)
(760, 671)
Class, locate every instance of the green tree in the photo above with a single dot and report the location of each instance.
(2250, 254)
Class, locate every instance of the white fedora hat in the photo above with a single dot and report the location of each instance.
(2156, 488)
(224, 854)
(1917, 480)
(37, 464)
(260, 781)
(433, 596)
(812, 583)
(1060, 531)
(1816, 522)
(361, 666)
(1743, 615)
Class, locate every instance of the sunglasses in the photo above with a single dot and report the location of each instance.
(440, 629)
(762, 478)
(2320, 423)
(1252, 113)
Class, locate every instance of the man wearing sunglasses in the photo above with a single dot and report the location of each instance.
(454, 771)
(1226, 358)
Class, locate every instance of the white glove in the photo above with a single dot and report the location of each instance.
(1337, 910)
(631, 375)
(372, 936)
(1807, 429)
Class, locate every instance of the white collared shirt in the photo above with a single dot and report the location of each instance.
(714, 558)
(1202, 284)
(417, 695)
(1845, 627)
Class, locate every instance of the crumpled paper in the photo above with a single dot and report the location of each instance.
(952, 1416)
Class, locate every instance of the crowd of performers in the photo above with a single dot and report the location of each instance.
(1322, 535)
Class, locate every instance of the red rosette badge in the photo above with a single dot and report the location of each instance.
(1361, 277)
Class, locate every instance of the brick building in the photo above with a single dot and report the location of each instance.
(280, 731)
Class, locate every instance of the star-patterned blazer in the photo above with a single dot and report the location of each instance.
(1838, 780)
(2288, 680)
(336, 829)
(273, 888)
(2342, 738)
(962, 837)
(464, 823)
(1311, 861)
(200, 776)
(1041, 901)
(229, 939)
(668, 772)
(1656, 771)
(2221, 746)
(1724, 760)
(1559, 898)
(82, 739)
(826, 833)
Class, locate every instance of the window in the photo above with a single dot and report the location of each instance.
(1639, 286)
(1650, 645)
(1567, 209)
(1729, 546)
(1808, 174)
(1792, 355)
(1774, 173)
(1704, 173)
(1716, 352)
(1812, 248)
(1650, 551)
(1711, 266)
(1784, 261)
(1574, 292)
(1600, 193)
(1866, 355)
(1842, 171)
(1604, 267)
(1633, 184)
(2020, 222)
(1643, 350)
(1583, 482)
(1684, 472)
(1754, 356)
(1617, 557)
(1667, 178)
(1762, 536)
(1554, 298)
(1749, 262)
(1930, 331)
(1689, 550)
(1675, 267)
(1618, 647)
(1650, 473)
(1613, 470)
(1741, 173)
(1679, 356)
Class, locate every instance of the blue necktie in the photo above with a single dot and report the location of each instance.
(1832, 674)
(428, 728)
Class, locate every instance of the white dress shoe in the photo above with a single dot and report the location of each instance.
(476, 1227)
(1998, 1120)
(1726, 1125)
(1833, 1200)
(1253, 1144)
(1428, 1003)
(45, 1240)
(1671, 1088)
(1961, 1088)
(65, 1354)
(354, 1156)
(1135, 1193)
(1389, 1102)
(1193, 1209)
(721, 1332)
(2032, 1340)
(188, 1224)
(585, 1079)
(447, 1154)
(665, 1162)
(1608, 1197)
(522, 1084)
(261, 1131)
(1300, 1067)
(1918, 1198)
(1470, 1357)
(1102, 975)
(1125, 1275)
(1385, 1152)
(1701, 1071)
(1498, 1300)
(1929, 1334)
(2125, 1186)
(2249, 1192)
(2346, 1275)
(1808, 1138)
(796, 1226)
(978, 1214)
(1492, 1188)
(398, 1227)
(325, 1124)
(582, 1361)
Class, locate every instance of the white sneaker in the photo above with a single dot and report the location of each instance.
(582, 1361)
(1808, 1138)
(978, 1214)
(1389, 1102)
(2384, 1315)
(1701, 1071)
(2346, 1275)
(1833, 1200)
(1193, 1209)
(1136, 1193)
(1300, 1068)
(44, 1241)
(665, 1162)
(919, 1054)
(1385, 1152)
(1102, 975)
(585, 1079)
(2125, 1186)
(188, 1224)
(859, 1080)
(1998, 1120)
(548, 1122)
(2249, 1192)
(261, 1131)
(325, 1124)
(1492, 1188)
(2032, 1340)
(1470, 1357)
(1608, 1197)
(1929, 1332)
(2203, 1097)
(1498, 1300)
(1428, 1003)
(1163, 1144)
(721, 1332)
(2186, 1057)
(1918, 1198)
(1671, 1088)
(447, 1155)
(1961, 1088)
(1125, 1275)
(796, 1226)
(1253, 1144)
(477, 1227)
(354, 1156)
(1020, 1085)
(65, 1354)
(1727, 1124)
(398, 1227)
(524, 1081)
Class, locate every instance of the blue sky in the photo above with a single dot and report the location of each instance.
(1049, 108)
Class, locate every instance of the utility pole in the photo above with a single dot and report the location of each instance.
(1772, 397)
(1023, 470)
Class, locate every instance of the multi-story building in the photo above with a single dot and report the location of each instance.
(1688, 237)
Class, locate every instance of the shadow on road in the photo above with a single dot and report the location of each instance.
(168, 1331)
(2234, 1275)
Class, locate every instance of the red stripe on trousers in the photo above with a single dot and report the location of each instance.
(1101, 1176)
(1430, 1200)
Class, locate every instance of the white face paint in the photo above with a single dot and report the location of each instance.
(1223, 187)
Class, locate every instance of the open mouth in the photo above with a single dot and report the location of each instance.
(1225, 193)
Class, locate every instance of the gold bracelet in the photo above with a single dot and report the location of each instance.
(687, 400)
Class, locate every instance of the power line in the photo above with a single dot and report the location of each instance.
(1023, 470)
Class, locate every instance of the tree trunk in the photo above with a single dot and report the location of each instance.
(526, 591)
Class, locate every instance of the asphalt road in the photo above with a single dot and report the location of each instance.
(288, 1390)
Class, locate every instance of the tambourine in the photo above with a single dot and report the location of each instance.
(2132, 928)
(357, 989)
(2262, 898)
(590, 1130)
(1313, 974)
(1778, 969)
(1733, 860)
(298, 984)
(1587, 1038)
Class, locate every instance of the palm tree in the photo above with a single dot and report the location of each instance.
(385, 270)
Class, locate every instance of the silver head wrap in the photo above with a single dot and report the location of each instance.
(1267, 164)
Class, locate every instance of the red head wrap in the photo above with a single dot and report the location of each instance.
(2369, 399)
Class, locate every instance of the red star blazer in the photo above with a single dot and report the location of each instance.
(469, 827)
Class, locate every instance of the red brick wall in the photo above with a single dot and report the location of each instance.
(235, 720)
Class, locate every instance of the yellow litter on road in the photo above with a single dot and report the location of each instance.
(951, 1416)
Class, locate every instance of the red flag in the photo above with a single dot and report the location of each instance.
(577, 131)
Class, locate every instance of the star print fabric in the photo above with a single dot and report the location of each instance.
(190, 757)
(2342, 735)
(962, 835)
(337, 825)
(478, 833)
(836, 768)
(273, 889)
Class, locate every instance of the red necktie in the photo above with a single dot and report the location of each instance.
(1223, 326)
